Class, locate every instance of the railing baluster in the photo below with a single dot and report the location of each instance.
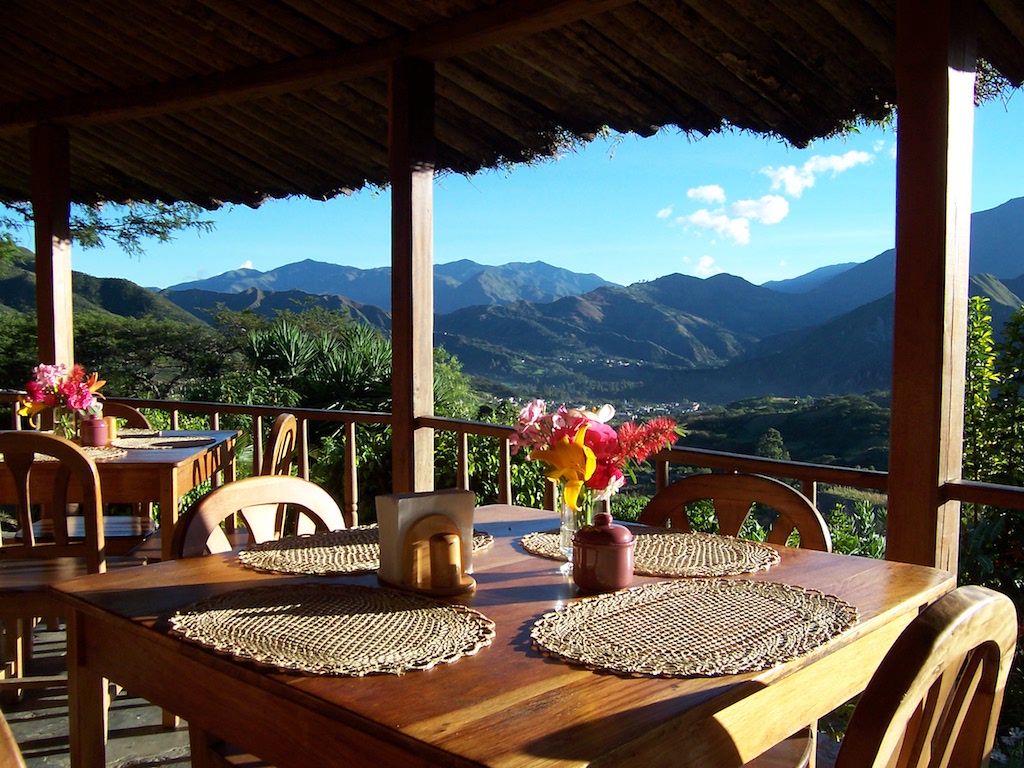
(462, 472)
(505, 471)
(551, 500)
(351, 506)
(660, 474)
(257, 443)
(810, 490)
(302, 448)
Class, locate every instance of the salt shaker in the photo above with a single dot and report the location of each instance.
(602, 555)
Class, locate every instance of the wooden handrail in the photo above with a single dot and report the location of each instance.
(807, 474)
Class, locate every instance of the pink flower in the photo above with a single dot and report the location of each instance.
(80, 398)
(606, 480)
(615, 451)
(602, 440)
(56, 386)
(532, 412)
(35, 392)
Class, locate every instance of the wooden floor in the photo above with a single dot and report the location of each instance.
(137, 739)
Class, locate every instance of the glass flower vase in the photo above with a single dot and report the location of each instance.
(64, 423)
(571, 520)
(61, 420)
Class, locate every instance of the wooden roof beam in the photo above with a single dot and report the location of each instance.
(495, 25)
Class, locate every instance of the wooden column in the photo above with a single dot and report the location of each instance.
(935, 65)
(51, 211)
(411, 148)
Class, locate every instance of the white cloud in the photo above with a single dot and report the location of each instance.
(664, 213)
(706, 267)
(795, 180)
(770, 209)
(737, 229)
(246, 264)
(709, 193)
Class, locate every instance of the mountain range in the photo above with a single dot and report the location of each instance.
(531, 328)
(679, 337)
(456, 284)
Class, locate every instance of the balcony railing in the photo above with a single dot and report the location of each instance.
(668, 463)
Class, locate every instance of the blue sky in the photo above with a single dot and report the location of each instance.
(629, 209)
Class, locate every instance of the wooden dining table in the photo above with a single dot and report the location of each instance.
(159, 475)
(507, 705)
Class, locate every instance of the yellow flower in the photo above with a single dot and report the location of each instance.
(570, 461)
(29, 408)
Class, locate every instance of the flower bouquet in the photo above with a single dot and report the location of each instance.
(67, 392)
(587, 456)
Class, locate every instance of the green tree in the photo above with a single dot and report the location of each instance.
(770, 446)
(92, 226)
(991, 548)
(1006, 411)
(979, 382)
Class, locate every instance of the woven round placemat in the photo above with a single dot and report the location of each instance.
(349, 551)
(137, 432)
(158, 442)
(676, 554)
(693, 628)
(342, 629)
(94, 452)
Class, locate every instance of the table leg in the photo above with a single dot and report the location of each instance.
(168, 513)
(88, 701)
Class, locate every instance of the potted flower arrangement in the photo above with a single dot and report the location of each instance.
(586, 456)
(70, 393)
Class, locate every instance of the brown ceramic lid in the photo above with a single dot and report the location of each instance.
(604, 533)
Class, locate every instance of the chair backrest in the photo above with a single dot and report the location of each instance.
(198, 530)
(935, 698)
(733, 496)
(25, 451)
(10, 753)
(133, 417)
(279, 452)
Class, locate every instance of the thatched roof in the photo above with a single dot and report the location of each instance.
(238, 100)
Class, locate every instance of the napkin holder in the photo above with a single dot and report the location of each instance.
(426, 541)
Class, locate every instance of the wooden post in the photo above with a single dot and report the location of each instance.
(50, 152)
(411, 161)
(935, 64)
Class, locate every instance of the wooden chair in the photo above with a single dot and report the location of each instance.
(29, 564)
(199, 531)
(278, 458)
(935, 698)
(133, 417)
(10, 753)
(734, 496)
(279, 452)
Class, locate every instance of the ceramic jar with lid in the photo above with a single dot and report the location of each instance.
(93, 432)
(602, 555)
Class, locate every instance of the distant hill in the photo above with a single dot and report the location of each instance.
(810, 280)
(112, 296)
(997, 249)
(202, 304)
(456, 285)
